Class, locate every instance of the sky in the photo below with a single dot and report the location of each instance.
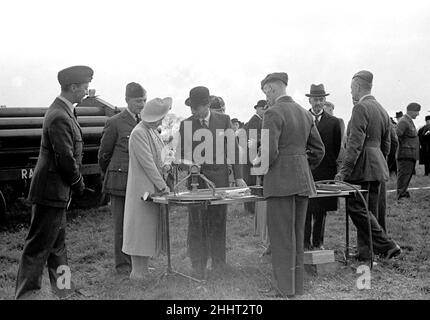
(228, 46)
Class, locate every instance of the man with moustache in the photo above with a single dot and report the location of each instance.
(408, 151)
(207, 227)
(330, 131)
(56, 179)
(113, 160)
(295, 147)
(365, 164)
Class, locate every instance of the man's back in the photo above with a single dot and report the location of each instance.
(294, 146)
(408, 139)
(368, 142)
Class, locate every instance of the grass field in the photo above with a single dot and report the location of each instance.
(90, 252)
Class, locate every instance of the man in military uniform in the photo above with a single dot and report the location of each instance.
(113, 161)
(295, 147)
(56, 179)
(408, 151)
(330, 131)
(364, 163)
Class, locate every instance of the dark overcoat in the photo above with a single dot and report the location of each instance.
(331, 134)
(424, 136)
(60, 158)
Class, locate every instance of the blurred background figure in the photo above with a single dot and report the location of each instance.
(399, 115)
(391, 158)
(329, 108)
(424, 137)
(217, 104)
(235, 123)
(408, 152)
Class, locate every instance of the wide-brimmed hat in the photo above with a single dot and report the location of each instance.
(317, 91)
(199, 96)
(399, 114)
(156, 109)
(261, 104)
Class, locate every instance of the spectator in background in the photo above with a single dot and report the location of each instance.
(330, 131)
(424, 137)
(399, 115)
(391, 158)
(408, 152)
(329, 108)
(217, 104)
(235, 123)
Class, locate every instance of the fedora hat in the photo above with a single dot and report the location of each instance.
(199, 96)
(261, 104)
(317, 91)
(399, 114)
(156, 109)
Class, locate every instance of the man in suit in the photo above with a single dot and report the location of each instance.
(207, 227)
(424, 137)
(113, 160)
(329, 129)
(294, 148)
(255, 124)
(408, 152)
(56, 179)
(365, 164)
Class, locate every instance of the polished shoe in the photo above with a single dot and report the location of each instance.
(393, 252)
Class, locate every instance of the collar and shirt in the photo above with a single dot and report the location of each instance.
(135, 116)
(205, 122)
(317, 116)
(68, 104)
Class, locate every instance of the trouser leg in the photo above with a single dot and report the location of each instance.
(217, 234)
(357, 212)
(286, 222)
(197, 238)
(382, 206)
(122, 260)
(308, 229)
(405, 170)
(318, 227)
(46, 229)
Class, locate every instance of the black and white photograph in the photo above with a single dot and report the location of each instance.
(218, 156)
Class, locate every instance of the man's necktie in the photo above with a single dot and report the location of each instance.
(316, 120)
(204, 123)
(137, 118)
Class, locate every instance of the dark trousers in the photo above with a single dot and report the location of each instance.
(405, 170)
(207, 236)
(250, 181)
(318, 216)
(286, 223)
(382, 206)
(122, 260)
(357, 212)
(45, 243)
(427, 166)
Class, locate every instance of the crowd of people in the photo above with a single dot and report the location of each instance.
(303, 146)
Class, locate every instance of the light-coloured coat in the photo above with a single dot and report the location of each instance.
(142, 218)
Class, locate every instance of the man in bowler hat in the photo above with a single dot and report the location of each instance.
(207, 227)
(365, 164)
(113, 160)
(330, 131)
(295, 146)
(56, 179)
(408, 151)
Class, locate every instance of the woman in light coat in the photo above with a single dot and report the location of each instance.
(142, 219)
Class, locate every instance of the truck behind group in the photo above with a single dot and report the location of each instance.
(20, 134)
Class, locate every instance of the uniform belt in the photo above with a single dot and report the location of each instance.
(372, 144)
(286, 152)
